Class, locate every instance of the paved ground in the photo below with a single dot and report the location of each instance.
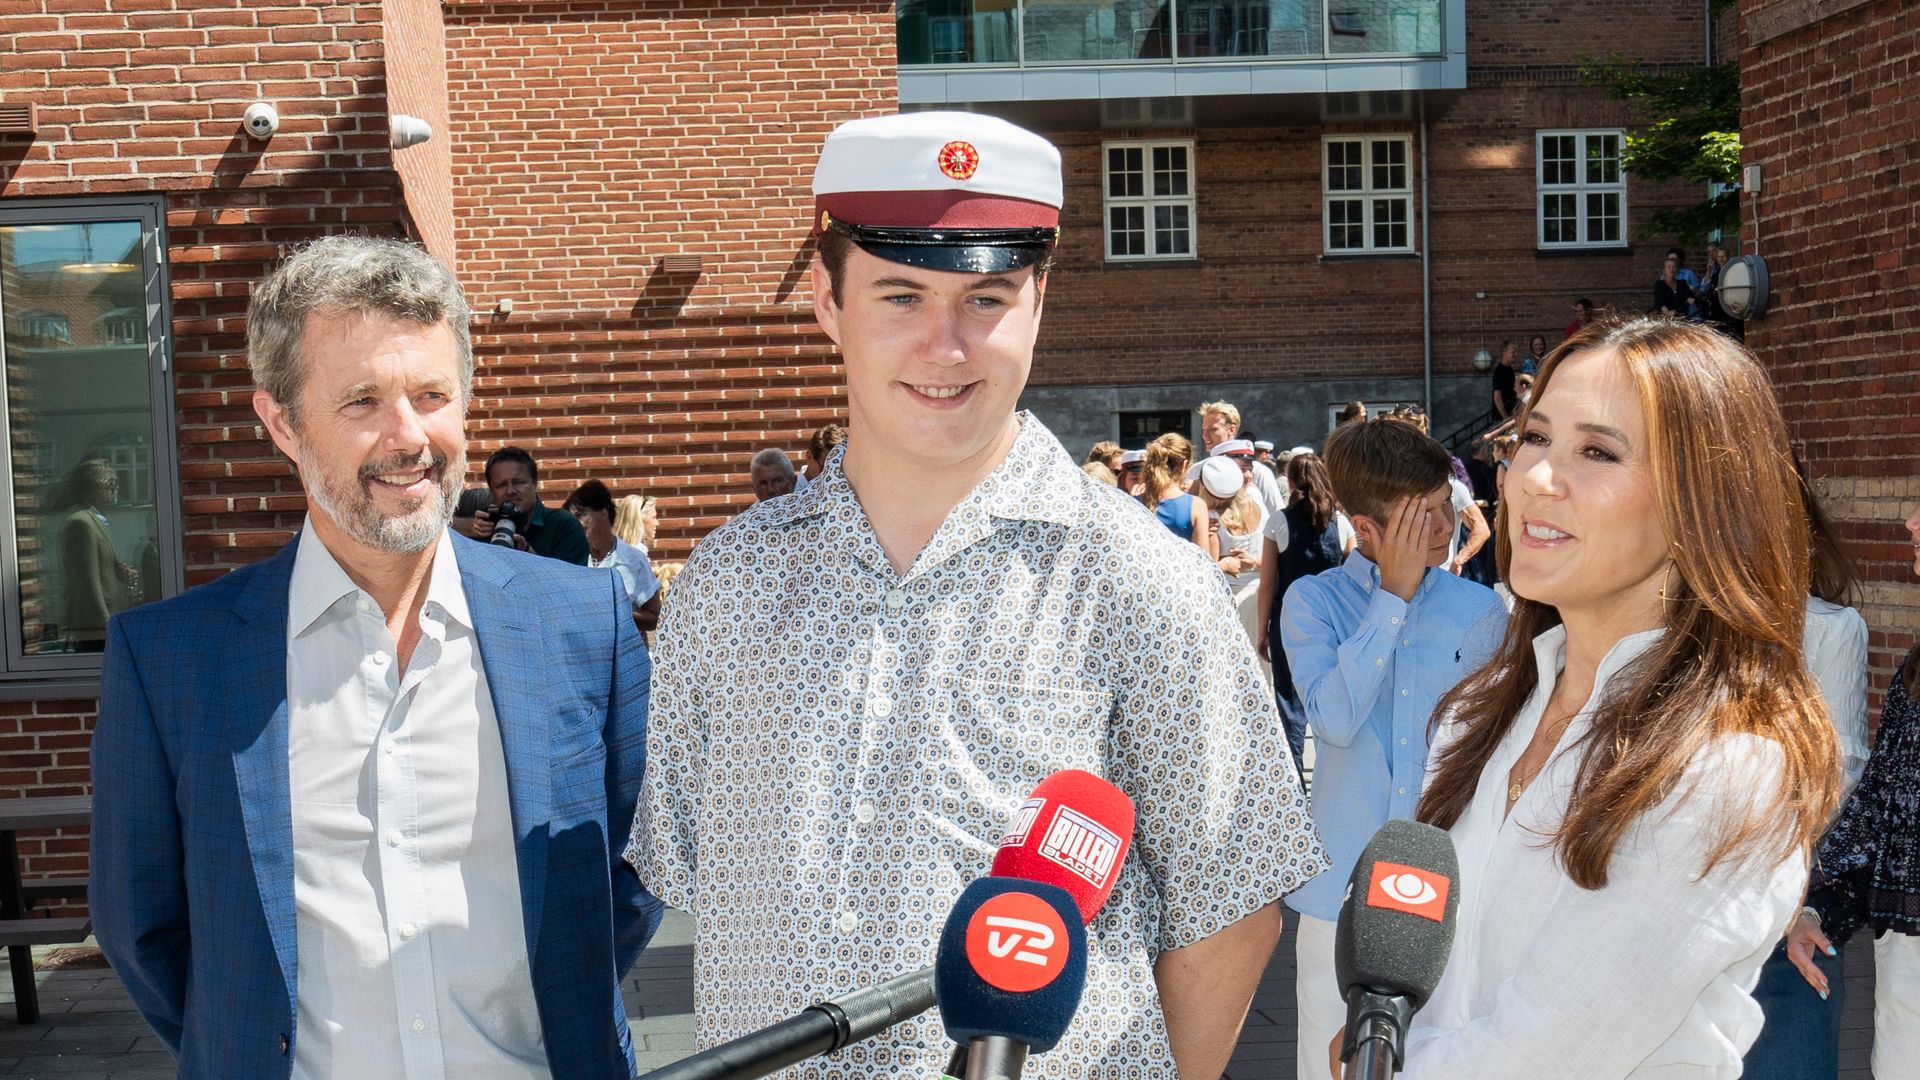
(90, 1029)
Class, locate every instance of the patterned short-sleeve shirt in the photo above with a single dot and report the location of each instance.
(820, 818)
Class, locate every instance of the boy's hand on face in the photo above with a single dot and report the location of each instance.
(1400, 549)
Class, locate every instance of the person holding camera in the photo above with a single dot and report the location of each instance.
(514, 514)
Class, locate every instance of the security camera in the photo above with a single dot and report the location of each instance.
(261, 120)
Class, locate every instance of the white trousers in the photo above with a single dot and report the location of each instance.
(1317, 997)
(1896, 1007)
(1246, 601)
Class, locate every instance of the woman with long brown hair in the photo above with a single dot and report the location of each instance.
(1164, 492)
(1635, 780)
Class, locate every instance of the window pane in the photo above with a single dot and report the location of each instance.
(1603, 217)
(1558, 224)
(1389, 165)
(1127, 230)
(1172, 230)
(80, 405)
(1126, 172)
(1170, 171)
(1389, 223)
(1345, 225)
(1556, 159)
(1343, 166)
(1603, 159)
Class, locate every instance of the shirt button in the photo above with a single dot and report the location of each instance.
(1403, 693)
(1403, 742)
(896, 599)
(386, 746)
(1379, 661)
(865, 813)
(379, 659)
(407, 930)
(419, 1024)
(1394, 619)
(849, 923)
(881, 707)
(394, 838)
(1403, 791)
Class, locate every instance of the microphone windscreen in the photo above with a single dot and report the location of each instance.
(1012, 962)
(1396, 924)
(1073, 832)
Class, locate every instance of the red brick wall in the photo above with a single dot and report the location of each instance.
(1261, 303)
(1829, 114)
(150, 101)
(596, 139)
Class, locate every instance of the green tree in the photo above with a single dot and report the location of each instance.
(1687, 126)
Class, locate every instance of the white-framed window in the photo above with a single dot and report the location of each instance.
(1582, 188)
(1149, 200)
(1366, 193)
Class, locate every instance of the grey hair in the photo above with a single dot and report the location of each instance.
(349, 275)
(775, 457)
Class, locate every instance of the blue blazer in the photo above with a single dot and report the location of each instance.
(192, 863)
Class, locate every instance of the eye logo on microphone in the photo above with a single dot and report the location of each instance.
(1409, 889)
(1016, 942)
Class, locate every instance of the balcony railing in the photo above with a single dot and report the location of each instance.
(1032, 33)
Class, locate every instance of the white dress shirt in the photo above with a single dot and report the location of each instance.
(1647, 977)
(412, 953)
(1836, 650)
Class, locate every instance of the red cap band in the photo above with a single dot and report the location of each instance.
(951, 208)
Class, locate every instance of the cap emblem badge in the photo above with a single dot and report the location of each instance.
(959, 160)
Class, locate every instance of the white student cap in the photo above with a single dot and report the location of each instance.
(1262, 444)
(943, 190)
(1132, 457)
(1234, 448)
(1222, 477)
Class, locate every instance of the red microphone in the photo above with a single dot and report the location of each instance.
(1073, 831)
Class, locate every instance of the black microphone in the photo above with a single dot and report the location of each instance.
(1391, 945)
(819, 1029)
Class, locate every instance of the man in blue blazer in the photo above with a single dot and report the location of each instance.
(354, 806)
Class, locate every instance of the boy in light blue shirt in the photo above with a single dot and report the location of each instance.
(1373, 645)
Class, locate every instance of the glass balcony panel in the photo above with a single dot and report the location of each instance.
(1248, 28)
(957, 31)
(1383, 26)
(1100, 31)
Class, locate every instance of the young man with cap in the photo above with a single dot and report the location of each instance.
(987, 615)
(1220, 424)
(1263, 452)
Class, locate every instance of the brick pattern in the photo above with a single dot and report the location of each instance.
(148, 98)
(1273, 308)
(597, 139)
(1829, 114)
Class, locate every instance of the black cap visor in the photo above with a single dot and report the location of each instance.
(967, 251)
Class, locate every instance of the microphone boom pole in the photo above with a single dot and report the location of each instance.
(819, 1029)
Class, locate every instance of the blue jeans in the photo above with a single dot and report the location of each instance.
(1801, 1039)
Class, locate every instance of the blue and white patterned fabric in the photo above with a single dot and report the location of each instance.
(820, 823)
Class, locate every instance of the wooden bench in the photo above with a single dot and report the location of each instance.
(29, 932)
(18, 933)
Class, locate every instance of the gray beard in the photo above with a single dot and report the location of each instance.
(350, 504)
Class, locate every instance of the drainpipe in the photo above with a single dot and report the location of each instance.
(1426, 262)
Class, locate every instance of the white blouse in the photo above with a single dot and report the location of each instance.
(1648, 977)
(1836, 647)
